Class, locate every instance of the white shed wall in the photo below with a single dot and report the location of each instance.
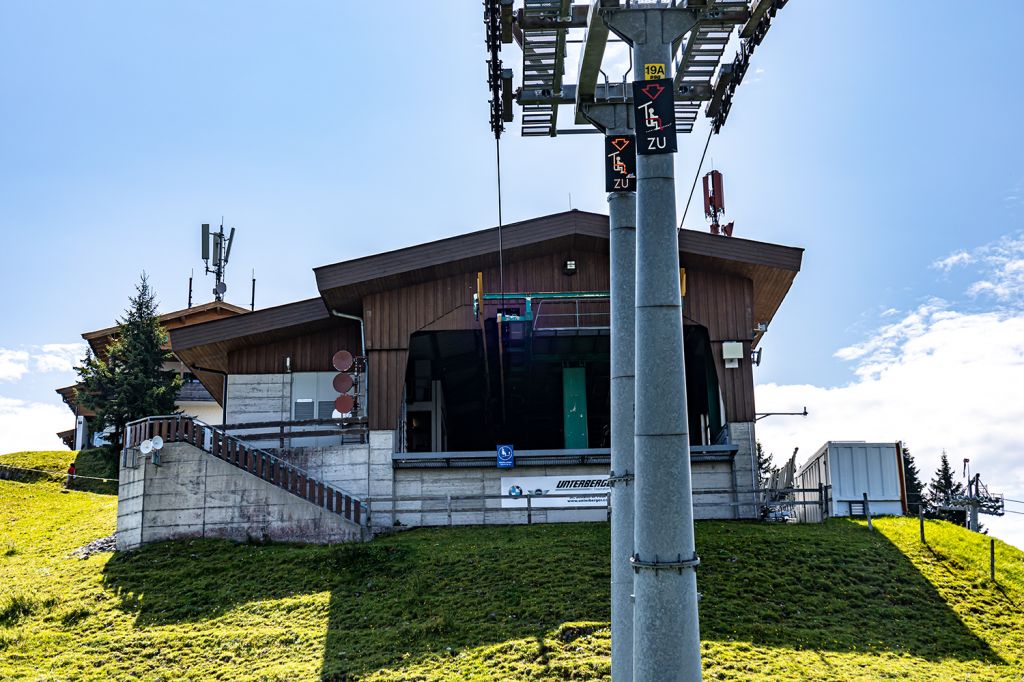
(852, 469)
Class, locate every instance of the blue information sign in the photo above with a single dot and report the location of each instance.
(506, 457)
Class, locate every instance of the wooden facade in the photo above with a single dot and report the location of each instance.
(394, 315)
(309, 352)
(732, 285)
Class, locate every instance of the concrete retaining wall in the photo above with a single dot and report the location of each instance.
(487, 481)
(742, 434)
(193, 494)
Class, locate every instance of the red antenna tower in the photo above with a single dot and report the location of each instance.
(714, 202)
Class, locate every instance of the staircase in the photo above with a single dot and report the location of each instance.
(254, 461)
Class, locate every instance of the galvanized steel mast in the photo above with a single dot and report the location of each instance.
(653, 552)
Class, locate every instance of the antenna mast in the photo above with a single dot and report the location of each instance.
(217, 248)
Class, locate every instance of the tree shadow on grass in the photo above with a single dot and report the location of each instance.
(834, 587)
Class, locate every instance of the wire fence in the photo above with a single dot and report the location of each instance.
(11, 473)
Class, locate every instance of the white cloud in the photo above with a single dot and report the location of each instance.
(935, 379)
(58, 357)
(31, 426)
(13, 364)
(1003, 261)
(952, 260)
(51, 357)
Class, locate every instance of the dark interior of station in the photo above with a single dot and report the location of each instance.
(536, 388)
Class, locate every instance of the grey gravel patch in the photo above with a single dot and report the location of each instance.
(107, 544)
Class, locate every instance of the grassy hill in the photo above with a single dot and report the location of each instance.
(831, 601)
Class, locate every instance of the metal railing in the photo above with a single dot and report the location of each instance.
(260, 463)
(549, 315)
(284, 432)
(449, 507)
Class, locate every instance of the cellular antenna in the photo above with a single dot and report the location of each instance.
(714, 202)
(216, 250)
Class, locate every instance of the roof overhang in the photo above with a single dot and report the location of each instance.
(99, 340)
(343, 285)
(205, 346)
(770, 267)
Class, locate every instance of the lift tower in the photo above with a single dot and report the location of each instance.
(677, 47)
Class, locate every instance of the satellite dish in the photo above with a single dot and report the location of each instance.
(342, 361)
(220, 288)
(343, 383)
(158, 442)
(344, 403)
(146, 446)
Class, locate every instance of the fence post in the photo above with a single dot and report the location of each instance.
(867, 511)
(992, 558)
(920, 517)
(449, 505)
(529, 510)
(821, 502)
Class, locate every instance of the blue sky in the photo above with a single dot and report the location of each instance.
(880, 139)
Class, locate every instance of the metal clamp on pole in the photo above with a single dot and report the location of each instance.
(679, 564)
(616, 478)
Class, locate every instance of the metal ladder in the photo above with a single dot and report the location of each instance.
(543, 65)
(696, 67)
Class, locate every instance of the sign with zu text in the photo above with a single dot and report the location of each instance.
(655, 117)
(620, 163)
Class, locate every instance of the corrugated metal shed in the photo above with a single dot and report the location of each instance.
(848, 469)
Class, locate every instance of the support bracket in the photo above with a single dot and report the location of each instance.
(626, 478)
(678, 565)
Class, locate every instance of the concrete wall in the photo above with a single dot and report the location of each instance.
(713, 476)
(193, 494)
(742, 434)
(258, 398)
(487, 481)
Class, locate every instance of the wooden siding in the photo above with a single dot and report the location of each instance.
(309, 352)
(725, 305)
(447, 303)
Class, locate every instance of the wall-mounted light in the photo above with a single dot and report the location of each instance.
(732, 351)
(569, 267)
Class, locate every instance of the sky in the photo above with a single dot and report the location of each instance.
(888, 145)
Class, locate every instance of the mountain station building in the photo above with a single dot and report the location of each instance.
(453, 361)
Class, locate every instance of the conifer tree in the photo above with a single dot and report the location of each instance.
(941, 489)
(131, 382)
(912, 480)
(765, 466)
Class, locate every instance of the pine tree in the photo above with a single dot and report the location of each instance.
(912, 481)
(941, 489)
(765, 467)
(131, 382)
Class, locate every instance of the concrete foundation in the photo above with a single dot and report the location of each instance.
(192, 494)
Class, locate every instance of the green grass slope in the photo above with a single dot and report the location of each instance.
(90, 466)
(832, 601)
